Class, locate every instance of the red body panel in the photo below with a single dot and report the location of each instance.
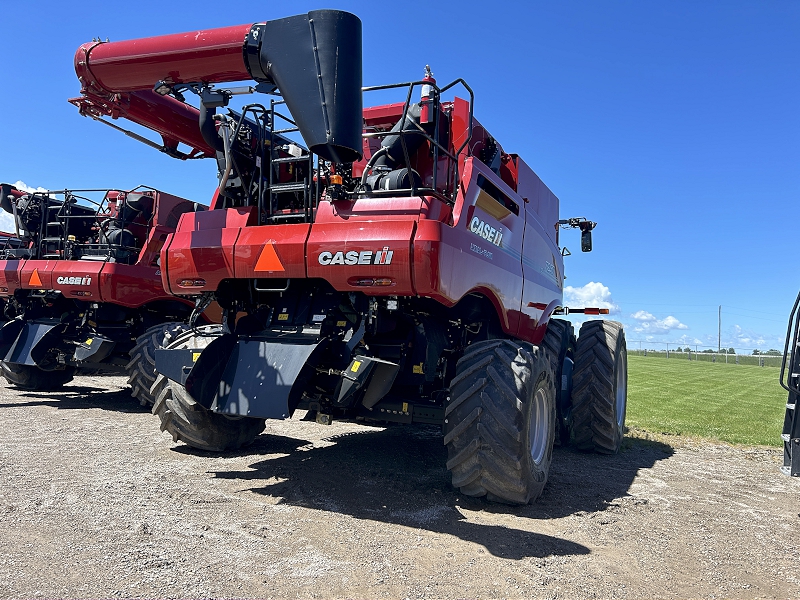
(265, 252)
(9, 276)
(130, 285)
(451, 262)
(346, 253)
(202, 248)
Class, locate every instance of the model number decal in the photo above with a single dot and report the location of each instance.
(74, 280)
(490, 234)
(478, 250)
(364, 257)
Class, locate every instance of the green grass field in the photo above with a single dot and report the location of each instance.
(739, 404)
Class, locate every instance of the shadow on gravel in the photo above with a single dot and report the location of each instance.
(81, 397)
(398, 476)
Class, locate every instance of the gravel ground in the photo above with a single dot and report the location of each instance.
(96, 502)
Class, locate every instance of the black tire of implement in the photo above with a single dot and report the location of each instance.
(191, 423)
(601, 364)
(492, 407)
(31, 377)
(560, 343)
(141, 368)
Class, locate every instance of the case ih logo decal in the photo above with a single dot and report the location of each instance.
(74, 280)
(486, 231)
(365, 257)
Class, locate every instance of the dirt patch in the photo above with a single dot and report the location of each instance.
(96, 502)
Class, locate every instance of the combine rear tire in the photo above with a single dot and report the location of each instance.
(191, 423)
(560, 343)
(30, 377)
(600, 387)
(500, 422)
(142, 366)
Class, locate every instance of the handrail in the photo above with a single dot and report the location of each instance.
(793, 318)
(451, 186)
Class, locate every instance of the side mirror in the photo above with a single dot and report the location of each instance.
(586, 240)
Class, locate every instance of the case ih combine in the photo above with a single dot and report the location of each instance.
(80, 283)
(401, 267)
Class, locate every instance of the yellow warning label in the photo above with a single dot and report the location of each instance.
(88, 341)
(195, 356)
(283, 317)
(341, 323)
(419, 369)
(405, 407)
(356, 365)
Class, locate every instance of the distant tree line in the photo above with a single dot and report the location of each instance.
(770, 352)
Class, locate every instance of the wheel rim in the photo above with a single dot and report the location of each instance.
(622, 389)
(538, 426)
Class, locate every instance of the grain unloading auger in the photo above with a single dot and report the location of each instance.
(402, 267)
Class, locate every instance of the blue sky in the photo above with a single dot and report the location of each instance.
(675, 125)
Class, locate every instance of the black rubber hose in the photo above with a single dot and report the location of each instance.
(208, 129)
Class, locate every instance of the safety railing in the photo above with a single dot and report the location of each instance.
(447, 192)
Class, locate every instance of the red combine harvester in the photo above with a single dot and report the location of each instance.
(82, 286)
(401, 267)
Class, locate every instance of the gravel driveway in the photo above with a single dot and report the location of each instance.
(97, 502)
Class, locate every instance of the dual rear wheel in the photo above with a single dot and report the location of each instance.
(508, 400)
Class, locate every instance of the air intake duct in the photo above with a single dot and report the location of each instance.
(315, 60)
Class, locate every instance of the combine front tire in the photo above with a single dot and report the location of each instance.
(30, 377)
(142, 366)
(191, 423)
(600, 387)
(500, 422)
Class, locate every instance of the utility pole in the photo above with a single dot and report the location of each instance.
(719, 330)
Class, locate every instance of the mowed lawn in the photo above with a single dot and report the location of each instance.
(740, 404)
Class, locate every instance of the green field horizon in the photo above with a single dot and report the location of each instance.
(737, 404)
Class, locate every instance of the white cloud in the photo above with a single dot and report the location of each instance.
(593, 294)
(6, 222)
(746, 338)
(20, 185)
(650, 324)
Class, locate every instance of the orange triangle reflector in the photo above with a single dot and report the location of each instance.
(269, 261)
(35, 281)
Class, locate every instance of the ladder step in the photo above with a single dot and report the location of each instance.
(288, 187)
(291, 159)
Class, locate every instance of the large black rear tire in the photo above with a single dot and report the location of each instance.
(560, 343)
(500, 422)
(600, 387)
(31, 377)
(189, 422)
(141, 368)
